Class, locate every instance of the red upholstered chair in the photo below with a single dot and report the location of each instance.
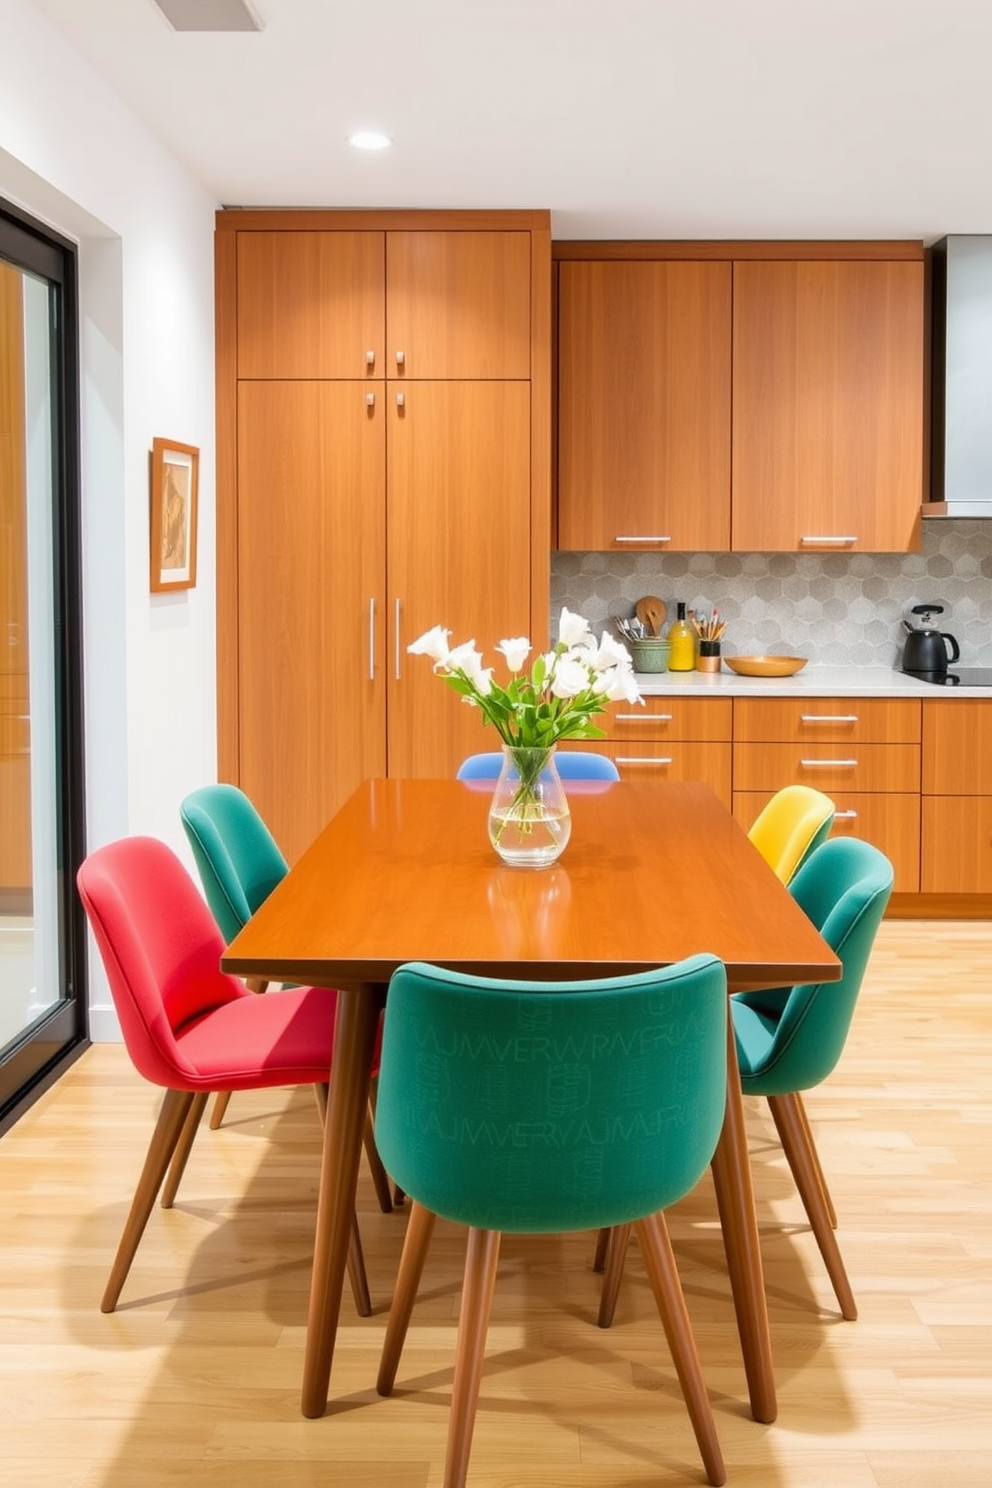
(187, 1026)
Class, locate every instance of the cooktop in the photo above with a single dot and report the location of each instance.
(959, 677)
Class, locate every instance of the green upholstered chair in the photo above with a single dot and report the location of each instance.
(787, 829)
(537, 1107)
(790, 1039)
(240, 863)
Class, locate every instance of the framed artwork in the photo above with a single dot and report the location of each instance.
(173, 524)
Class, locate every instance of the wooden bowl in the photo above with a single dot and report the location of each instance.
(765, 666)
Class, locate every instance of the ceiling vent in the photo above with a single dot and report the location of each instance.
(210, 15)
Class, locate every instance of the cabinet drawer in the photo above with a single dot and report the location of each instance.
(827, 720)
(830, 768)
(957, 748)
(671, 718)
(679, 760)
(957, 845)
(890, 822)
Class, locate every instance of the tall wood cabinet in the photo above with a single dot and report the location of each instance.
(740, 396)
(383, 466)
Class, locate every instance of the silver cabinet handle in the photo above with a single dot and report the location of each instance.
(401, 400)
(645, 537)
(396, 640)
(845, 816)
(643, 718)
(400, 358)
(808, 764)
(836, 538)
(371, 640)
(370, 359)
(828, 718)
(636, 759)
(370, 400)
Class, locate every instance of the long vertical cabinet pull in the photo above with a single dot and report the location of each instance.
(371, 640)
(396, 640)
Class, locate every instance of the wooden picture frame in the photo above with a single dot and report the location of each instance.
(175, 470)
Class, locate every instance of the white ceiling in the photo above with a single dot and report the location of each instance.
(627, 118)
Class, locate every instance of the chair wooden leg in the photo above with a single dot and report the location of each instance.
(380, 1178)
(220, 1106)
(420, 1228)
(473, 1325)
(659, 1259)
(168, 1129)
(616, 1254)
(602, 1246)
(356, 1272)
(356, 1258)
(815, 1156)
(183, 1149)
(792, 1134)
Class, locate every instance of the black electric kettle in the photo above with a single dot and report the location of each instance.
(926, 646)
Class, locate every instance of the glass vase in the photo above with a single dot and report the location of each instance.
(529, 819)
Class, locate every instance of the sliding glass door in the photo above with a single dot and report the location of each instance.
(42, 961)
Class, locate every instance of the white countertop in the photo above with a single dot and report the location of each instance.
(812, 681)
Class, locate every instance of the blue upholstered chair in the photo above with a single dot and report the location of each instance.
(572, 764)
(536, 1107)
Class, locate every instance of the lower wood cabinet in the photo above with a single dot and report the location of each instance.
(673, 738)
(957, 797)
(864, 753)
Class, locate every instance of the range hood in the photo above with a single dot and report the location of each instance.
(961, 433)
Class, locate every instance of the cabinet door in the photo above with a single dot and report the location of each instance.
(644, 365)
(890, 822)
(311, 304)
(828, 406)
(459, 554)
(458, 304)
(311, 599)
(957, 748)
(957, 845)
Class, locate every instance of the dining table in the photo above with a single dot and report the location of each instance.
(404, 871)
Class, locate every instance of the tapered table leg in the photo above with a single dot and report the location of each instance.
(735, 1199)
(357, 1019)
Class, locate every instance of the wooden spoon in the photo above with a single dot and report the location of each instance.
(651, 612)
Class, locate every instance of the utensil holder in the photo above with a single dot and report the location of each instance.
(649, 655)
(708, 659)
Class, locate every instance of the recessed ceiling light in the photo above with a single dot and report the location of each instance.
(369, 139)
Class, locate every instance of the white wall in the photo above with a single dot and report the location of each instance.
(74, 156)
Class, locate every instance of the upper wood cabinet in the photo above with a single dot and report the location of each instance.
(644, 377)
(311, 304)
(828, 406)
(458, 304)
(740, 396)
(384, 304)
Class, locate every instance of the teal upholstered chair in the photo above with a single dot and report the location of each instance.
(790, 1039)
(536, 1107)
(240, 863)
(572, 764)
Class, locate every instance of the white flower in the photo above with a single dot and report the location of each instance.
(621, 686)
(465, 658)
(572, 629)
(570, 678)
(516, 652)
(433, 643)
(609, 653)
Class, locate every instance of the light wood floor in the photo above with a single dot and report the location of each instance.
(196, 1379)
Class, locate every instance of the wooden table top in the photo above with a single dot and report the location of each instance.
(653, 872)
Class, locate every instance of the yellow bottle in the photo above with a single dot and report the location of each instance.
(682, 643)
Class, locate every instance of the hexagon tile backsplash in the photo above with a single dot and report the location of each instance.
(835, 609)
